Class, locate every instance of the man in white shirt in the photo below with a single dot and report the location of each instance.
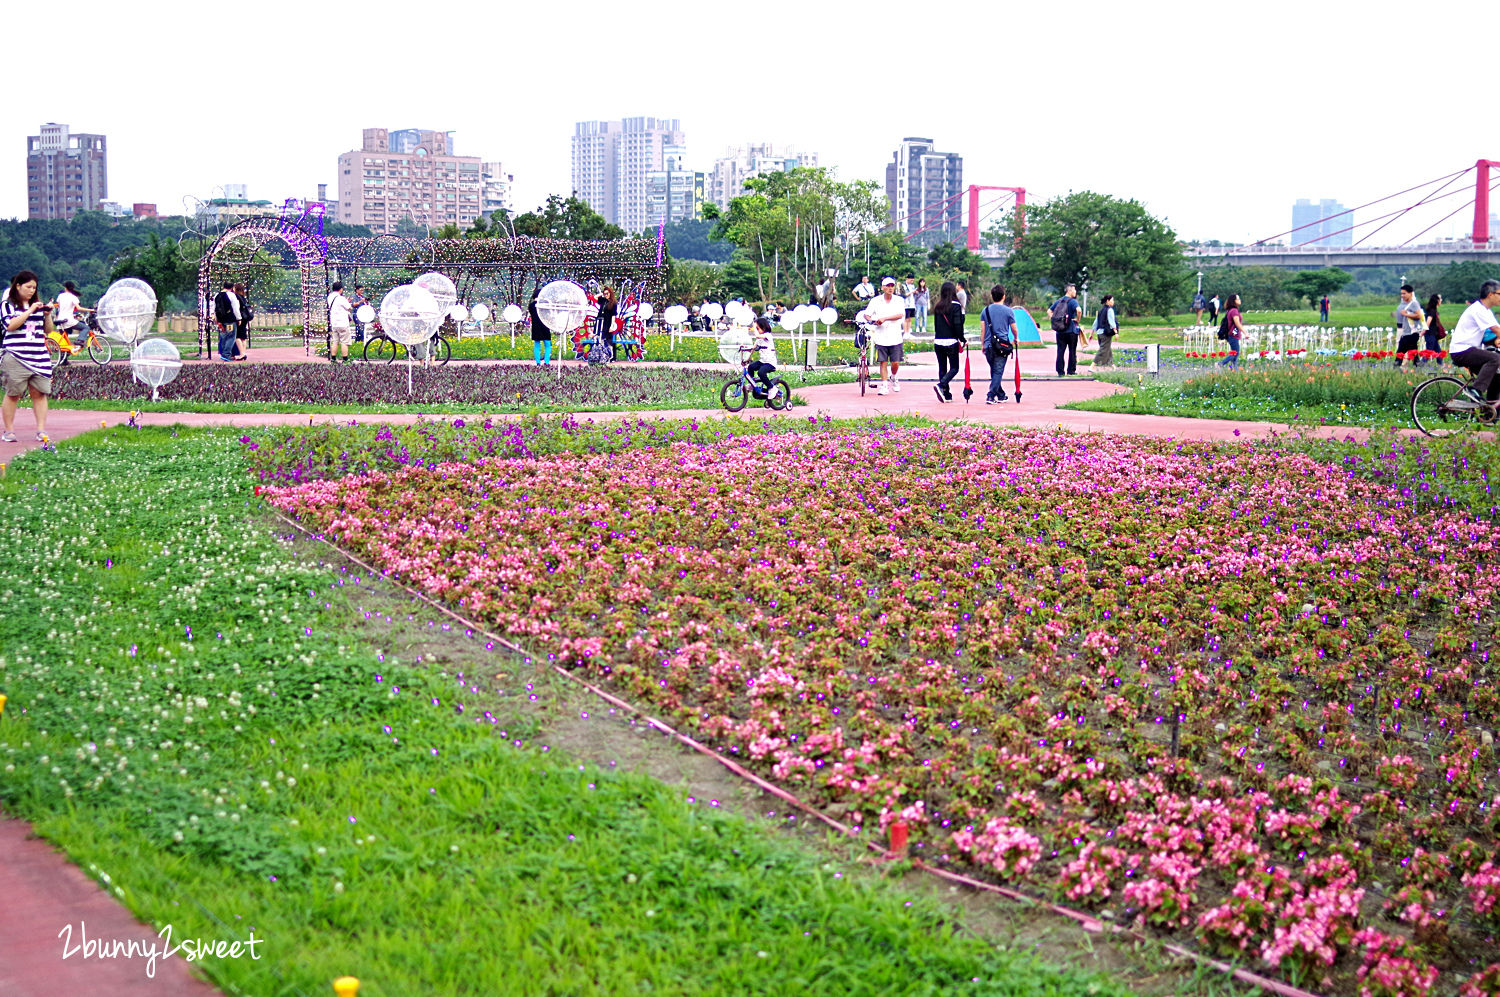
(340, 330)
(1410, 322)
(1467, 346)
(887, 313)
(68, 304)
(864, 290)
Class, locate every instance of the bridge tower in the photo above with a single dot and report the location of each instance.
(1020, 192)
(1481, 231)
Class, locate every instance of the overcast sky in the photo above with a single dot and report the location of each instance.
(1216, 116)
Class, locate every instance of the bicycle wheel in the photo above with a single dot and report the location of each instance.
(1439, 403)
(440, 351)
(100, 349)
(864, 375)
(733, 395)
(380, 350)
(779, 398)
(54, 352)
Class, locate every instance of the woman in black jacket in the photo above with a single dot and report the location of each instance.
(604, 325)
(948, 337)
(541, 335)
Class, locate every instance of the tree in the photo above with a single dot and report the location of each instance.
(954, 262)
(1456, 282)
(693, 281)
(565, 218)
(693, 239)
(1313, 284)
(1258, 287)
(788, 225)
(1102, 244)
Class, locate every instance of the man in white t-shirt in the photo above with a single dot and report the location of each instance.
(864, 290)
(1466, 349)
(887, 313)
(340, 329)
(68, 307)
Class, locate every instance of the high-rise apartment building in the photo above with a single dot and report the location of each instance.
(1313, 223)
(379, 186)
(65, 173)
(925, 190)
(727, 181)
(612, 162)
(496, 188)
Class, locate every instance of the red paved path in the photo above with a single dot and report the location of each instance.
(42, 891)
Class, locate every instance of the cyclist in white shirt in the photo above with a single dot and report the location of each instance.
(887, 313)
(1467, 347)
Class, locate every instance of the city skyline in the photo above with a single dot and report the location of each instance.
(1215, 145)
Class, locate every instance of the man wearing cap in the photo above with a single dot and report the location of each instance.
(887, 313)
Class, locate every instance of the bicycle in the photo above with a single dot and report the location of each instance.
(862, 352)
(381, 348)
(60, 344)
(1442, 400)
(735, 395)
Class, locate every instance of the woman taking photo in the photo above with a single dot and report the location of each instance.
(1231, 331)
(1435, 328)
(604, 324)
(25, 324)
(948, 337)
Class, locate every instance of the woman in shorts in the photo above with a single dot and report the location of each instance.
(25, 323)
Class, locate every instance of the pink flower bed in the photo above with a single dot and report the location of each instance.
(1230, 694)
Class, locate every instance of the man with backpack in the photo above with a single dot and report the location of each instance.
(227, 315)
(1064, 317)
(1199, 304)
(999, 322)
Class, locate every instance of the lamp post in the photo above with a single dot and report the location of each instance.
(1200, 281)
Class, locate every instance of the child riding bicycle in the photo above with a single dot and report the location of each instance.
(763, 367)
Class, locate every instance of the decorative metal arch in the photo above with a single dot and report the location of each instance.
(505, 268)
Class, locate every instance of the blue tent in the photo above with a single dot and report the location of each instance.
(1026, 326)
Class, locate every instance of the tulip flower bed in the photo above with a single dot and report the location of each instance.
(382, 387)
(1232, 694)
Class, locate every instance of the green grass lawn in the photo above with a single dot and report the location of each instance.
(211, 724)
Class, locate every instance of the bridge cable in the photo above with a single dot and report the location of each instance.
(1359, 207)
(1449, 215)
(1418, 204)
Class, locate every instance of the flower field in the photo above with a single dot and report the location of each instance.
(1236, 695)
(360, 384)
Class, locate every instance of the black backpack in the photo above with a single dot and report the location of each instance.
(1224, 327)
(1061, 319)
(223, 310)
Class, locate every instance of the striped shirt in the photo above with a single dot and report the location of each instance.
(27, 344)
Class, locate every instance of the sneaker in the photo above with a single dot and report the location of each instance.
(7, 437)
(1002, 398)
(895, 384)
(989, 401)
(1474, 396)
(882, 389)
(939, 392)
(40, 436)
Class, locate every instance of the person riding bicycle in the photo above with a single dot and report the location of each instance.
(69, 305)
(1476, 328)
(766, 365)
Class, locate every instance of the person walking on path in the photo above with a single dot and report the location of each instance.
(947, 338)
(963, 295)
(887, 313)
(1435, 328)
(1199, 303)
(541, 336)
(923, 300)
(1064, 317)
(909, 301)
(25, 364)
(1410, 323)
(864, 290)
(998, 320)
(1106, 327)
(1476, 324)
(1213, 310)
(340, 329)
(242, 327)
(227, 315)
(1231, 331)
(1323, 309)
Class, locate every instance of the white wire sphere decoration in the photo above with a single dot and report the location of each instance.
(134, 282)
(730, 342)
(829, 315)
(126, 312)
(676, 314)
(511, 314)
(365, 313)
(458, 313)
(440, 287)
(480, 312)
(714, 311)
(789, 320)
(644, 310)
(410, 314)
(155, 362)
(562, 305)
